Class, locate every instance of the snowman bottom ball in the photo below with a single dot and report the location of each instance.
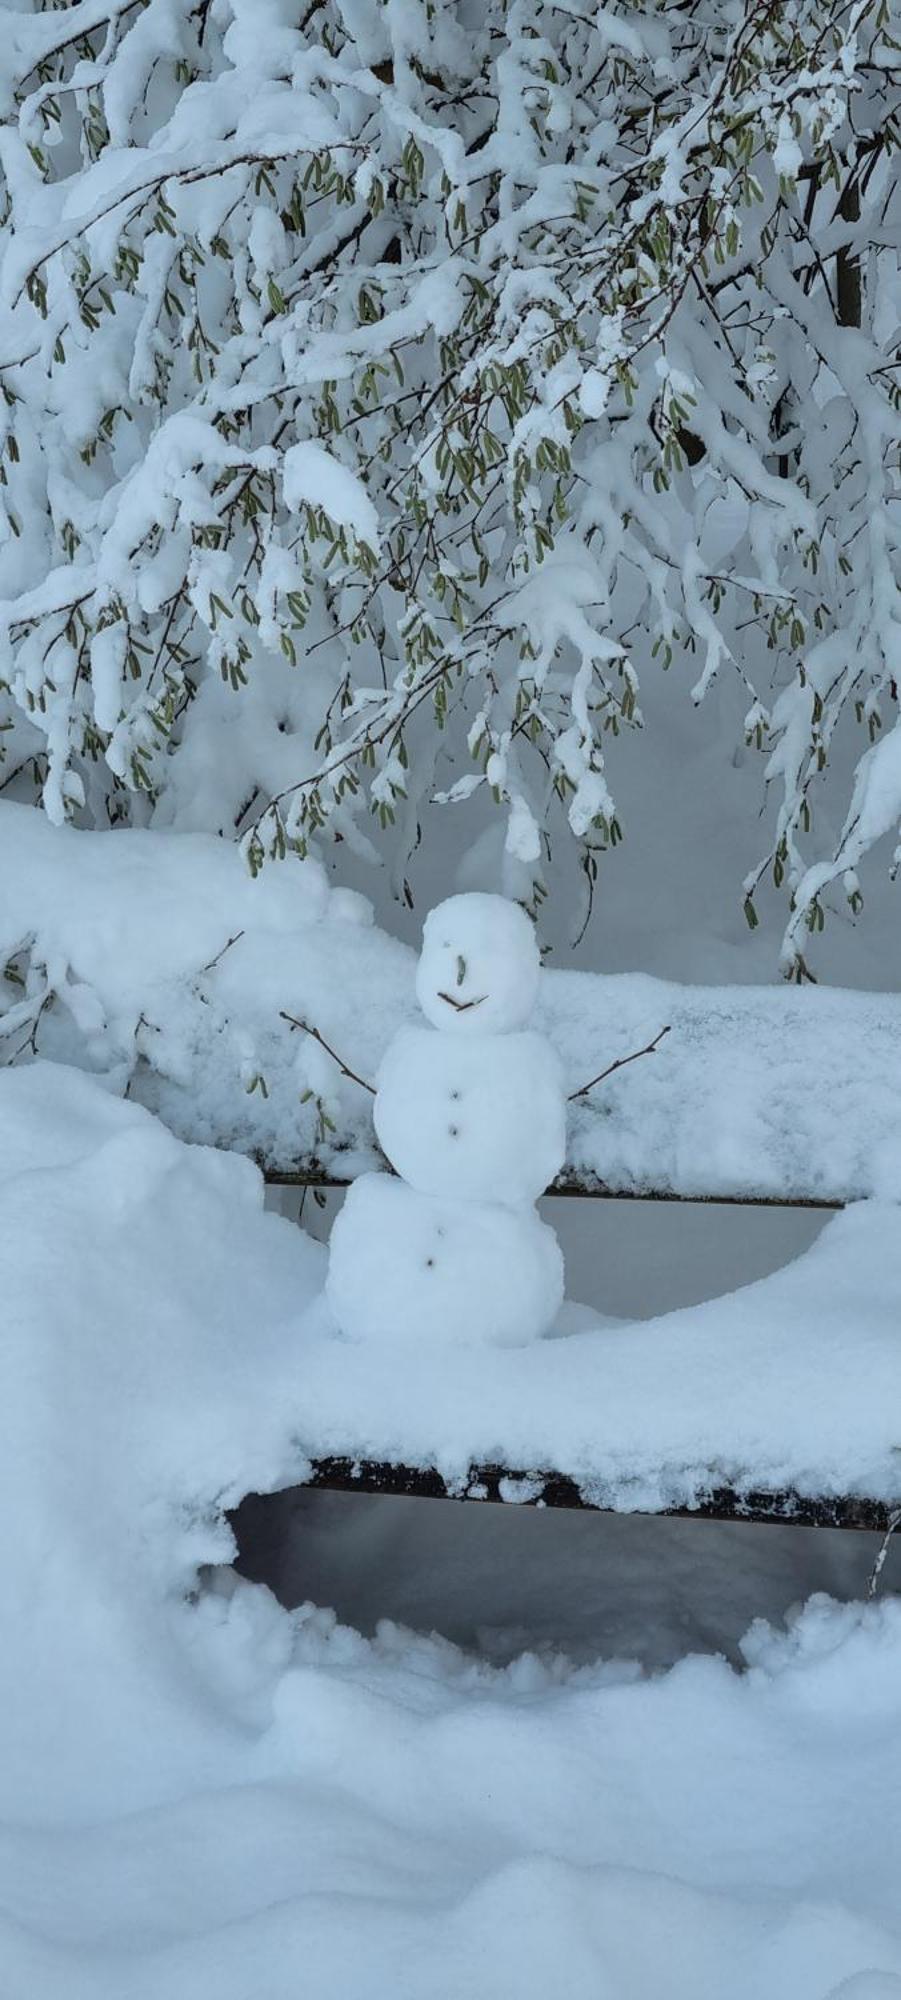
(406, 1266)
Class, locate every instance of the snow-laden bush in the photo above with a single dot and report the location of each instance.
(373, 371)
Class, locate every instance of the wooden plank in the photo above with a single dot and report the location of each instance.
(312, 1173)
(500, 1484)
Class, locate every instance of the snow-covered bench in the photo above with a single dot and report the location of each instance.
(174, 971)
(757, 1097)
(155, 959)
(777, 1403)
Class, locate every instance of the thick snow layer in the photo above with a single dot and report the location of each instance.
(756, 1090)
(149, 1372)
(412, 1267)
(480, 1119)
(171, 965)
(207, 1798)
(779, 1091)
(479, 967)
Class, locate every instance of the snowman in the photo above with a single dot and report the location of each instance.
(471, 1112)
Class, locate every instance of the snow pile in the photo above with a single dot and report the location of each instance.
(168, 966)
(207, 1798)
(756, 1090)
(148, 1376)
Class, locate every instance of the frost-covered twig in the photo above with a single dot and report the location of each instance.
(29, 1011)
(879, 1564)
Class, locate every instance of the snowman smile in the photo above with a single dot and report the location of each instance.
(463, 1006)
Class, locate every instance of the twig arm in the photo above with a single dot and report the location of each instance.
(343, 1066)
(211, 962)
(620, 1063)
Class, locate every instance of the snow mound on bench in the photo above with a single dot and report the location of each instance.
(205, 1798)
(166, 968)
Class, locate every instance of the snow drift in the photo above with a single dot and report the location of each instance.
(206, 1798)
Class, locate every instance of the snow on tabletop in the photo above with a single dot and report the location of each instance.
(794, 1381)
(756, 1090)
(780, 1091)
(206, 1797)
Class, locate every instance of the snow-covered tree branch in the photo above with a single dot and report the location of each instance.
(370, 372)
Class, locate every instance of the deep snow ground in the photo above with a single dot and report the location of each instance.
(208, 1798)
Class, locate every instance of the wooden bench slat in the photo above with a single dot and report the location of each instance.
(313, 1173)
(501, 1485)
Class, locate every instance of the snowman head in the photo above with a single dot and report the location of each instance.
(478, 970)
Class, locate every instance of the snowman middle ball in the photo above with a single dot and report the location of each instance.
(475, 1118)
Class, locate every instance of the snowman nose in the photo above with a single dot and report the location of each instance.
(461, 971)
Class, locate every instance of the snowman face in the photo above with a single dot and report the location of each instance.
(478, 970)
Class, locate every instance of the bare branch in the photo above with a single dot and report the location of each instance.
(317, 1037)
(620, 1063)
(221, 954)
